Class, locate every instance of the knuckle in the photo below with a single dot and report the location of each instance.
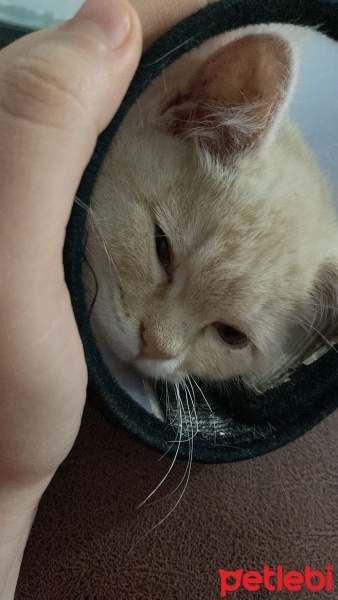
(35, 90)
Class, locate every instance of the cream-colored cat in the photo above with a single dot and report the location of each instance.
(212, 235)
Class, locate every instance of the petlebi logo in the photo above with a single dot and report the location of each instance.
(276, 580)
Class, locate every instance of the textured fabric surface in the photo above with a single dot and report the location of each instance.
(90, 542)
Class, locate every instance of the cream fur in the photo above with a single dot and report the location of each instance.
(252, 231)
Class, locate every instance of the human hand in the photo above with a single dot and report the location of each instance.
(158, 16)
(59, 89)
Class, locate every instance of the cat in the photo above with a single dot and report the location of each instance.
(211, 231)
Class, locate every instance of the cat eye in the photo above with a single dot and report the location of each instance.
(163, 249)
(231, 336)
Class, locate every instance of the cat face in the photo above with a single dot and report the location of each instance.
(211, 224)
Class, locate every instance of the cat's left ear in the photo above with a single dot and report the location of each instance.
(236, 97)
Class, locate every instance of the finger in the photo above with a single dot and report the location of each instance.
(167, 14)
(59, 89)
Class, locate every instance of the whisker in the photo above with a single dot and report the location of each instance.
(318, 332)
(185, 477)
(154, 62)
(179, 432)
(206, 402)
(101, 238)
(191, 393)
(82, 204)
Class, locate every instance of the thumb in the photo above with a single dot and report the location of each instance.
(59, 89)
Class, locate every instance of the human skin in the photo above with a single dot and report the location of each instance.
(59, 89)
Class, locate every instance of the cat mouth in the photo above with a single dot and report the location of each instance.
(166, 370)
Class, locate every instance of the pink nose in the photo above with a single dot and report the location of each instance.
(149, 347)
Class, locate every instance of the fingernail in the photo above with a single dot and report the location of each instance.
(112, 17)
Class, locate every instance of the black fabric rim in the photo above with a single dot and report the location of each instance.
(315, 387)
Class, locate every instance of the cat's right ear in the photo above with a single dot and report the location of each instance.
(237, 97)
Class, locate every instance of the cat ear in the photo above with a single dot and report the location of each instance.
(237, 96)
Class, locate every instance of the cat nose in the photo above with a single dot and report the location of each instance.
(150, 348)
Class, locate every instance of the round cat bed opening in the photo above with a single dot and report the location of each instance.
(230, 421)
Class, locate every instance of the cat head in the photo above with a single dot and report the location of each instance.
(211, 232)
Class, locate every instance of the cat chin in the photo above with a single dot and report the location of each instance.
(166, 370)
